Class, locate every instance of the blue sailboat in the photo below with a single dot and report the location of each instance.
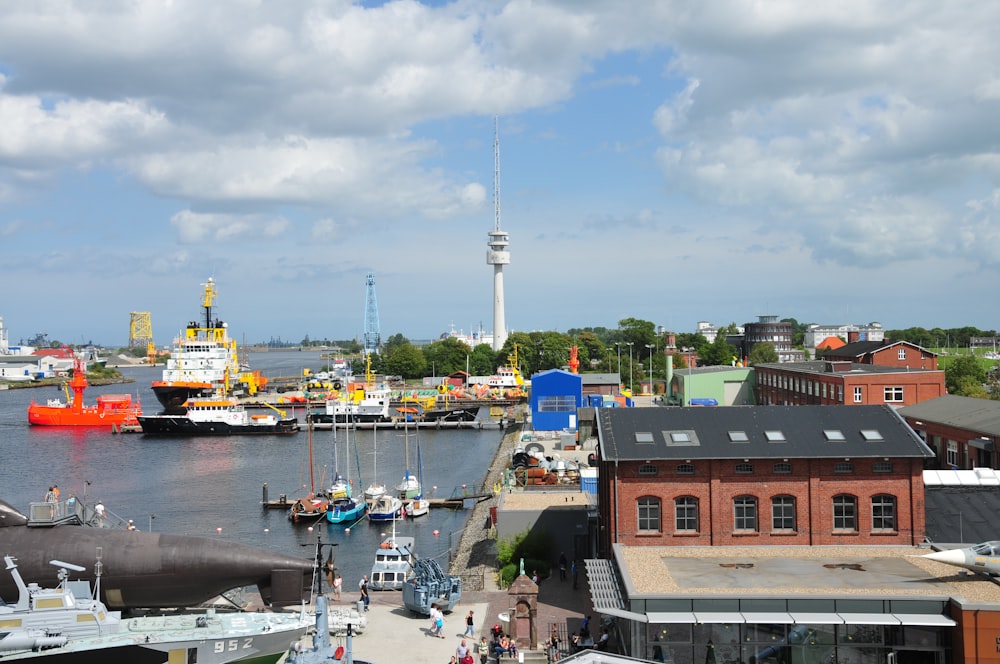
(344, 508)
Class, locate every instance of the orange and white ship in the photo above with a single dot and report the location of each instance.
(111, 409)
(204, 362)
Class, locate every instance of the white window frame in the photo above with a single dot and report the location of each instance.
(894, 393)
(859, 395)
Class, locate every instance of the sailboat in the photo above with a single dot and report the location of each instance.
(311, 507)
(374, 491)
(418, 505)
(344, 507)
(410, 486)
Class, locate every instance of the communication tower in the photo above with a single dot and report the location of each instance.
(497, 254)
(373, 335)
(140, 329)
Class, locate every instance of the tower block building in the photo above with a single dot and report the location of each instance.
(497, 255)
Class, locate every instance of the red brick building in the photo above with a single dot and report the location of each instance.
(839, 382)
(961, 431)
(900, 354)
(753, 475)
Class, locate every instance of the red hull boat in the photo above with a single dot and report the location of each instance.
(111, 409)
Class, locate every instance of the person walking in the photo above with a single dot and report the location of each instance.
(462, 650)
(470, 629)
(363, 586)
(338, 582)
(575, 573)
(562, 566)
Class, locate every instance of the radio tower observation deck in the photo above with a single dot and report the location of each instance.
(497, 255)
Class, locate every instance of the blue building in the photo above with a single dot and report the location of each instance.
(555, 396)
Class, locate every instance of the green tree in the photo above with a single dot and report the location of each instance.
(763, 353)
(405, 360)
(446, 356)
(690, 340)
(718, 353)
(482, 361)
(639, 332)
(965, 375)
(591, 348)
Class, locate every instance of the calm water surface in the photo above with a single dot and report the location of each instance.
(212, 487)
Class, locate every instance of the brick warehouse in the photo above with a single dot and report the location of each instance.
(759, 475)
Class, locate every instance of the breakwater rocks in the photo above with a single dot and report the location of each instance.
(475, 558)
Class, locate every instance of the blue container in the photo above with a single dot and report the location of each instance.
(589, 484)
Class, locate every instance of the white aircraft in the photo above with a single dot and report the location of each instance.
(984, 557)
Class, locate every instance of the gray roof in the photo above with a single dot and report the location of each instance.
(600, 378)
(633, 434)
(978, 415)
(961, 515)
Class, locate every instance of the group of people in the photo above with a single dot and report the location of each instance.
(437, 621)
(501, 644)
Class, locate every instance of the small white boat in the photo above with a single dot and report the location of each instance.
(69, 624)
(393, 562)
(385, 508)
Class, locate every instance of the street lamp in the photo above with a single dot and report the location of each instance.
(651, 347)
(630, 385)
(619, 345)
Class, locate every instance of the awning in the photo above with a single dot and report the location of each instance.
(718, 617)
(869, 619)
(982, 444)
(817, 619)
(671, 617)
(768, 618)
(928, 620)
(622, 613)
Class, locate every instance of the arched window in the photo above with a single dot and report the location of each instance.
(686, 514)
(884, 512)
(783, 513)
(845, 513)
(649, 514)
(745, 514)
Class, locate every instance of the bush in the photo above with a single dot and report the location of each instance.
(532, 546)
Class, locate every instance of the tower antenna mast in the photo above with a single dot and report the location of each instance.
(373, 334)
(497, 255)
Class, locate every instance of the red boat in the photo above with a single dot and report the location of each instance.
(111, 409)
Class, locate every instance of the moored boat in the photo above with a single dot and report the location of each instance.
(385, 508)
(217, 416)
(67, 624)
(393, 562)
(110, 409)
(204, 360)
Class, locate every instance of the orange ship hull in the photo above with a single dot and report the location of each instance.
(111, 409)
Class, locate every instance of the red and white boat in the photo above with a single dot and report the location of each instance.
(111, 409)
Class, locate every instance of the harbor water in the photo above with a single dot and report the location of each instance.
(212, 487)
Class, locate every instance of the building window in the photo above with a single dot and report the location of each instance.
(952, 458)
(840, 394)
(859, 396)
(783, 513)
(685, 469)
(894, 393)
(843, 467)
(686, 514)
(648, 469)
(845, 513)
(782, 468)
(882, 467)
(745, 514)
(901, 354)
(883, 512)
(744, 468)
(649, 515)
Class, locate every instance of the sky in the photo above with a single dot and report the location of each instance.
(669, 161)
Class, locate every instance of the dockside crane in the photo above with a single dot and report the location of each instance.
(373, 336)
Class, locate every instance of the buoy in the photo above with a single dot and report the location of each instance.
(218, 530)
(267, 530)
(435, 533)
(463, 487)
(338, 654)
(310, 528)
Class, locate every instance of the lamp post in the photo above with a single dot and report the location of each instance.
(619, 345)
(651, 347)
(630, 385)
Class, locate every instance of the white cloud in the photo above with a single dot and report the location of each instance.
(197, 228)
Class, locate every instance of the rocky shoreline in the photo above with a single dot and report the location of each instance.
(475, 558)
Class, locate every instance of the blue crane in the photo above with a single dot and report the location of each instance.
(373, 334)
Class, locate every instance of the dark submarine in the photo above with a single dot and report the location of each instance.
(140, 569)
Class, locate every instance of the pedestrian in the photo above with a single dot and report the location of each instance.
(363, 586)
(562, 566)
(50, 496)
(585, 627)
(575, 573)
(534, 577)
(338, 582)
(554, 645)
(99, 511)
(469, 626)
(55, 490)
(484, 650)
(130, 525)
(439, 623)
(462, 650)
(602, 643)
